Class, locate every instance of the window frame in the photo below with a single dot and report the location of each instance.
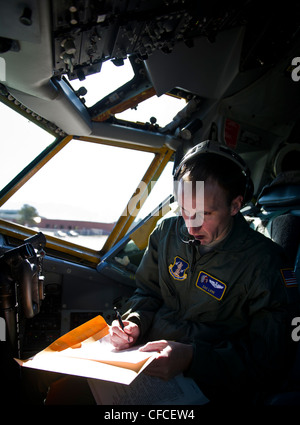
(162, 156)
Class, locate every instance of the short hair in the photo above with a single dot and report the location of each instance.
(224, 171)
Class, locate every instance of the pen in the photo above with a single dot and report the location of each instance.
(120, 319)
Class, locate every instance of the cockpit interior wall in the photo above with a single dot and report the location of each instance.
(206, 68)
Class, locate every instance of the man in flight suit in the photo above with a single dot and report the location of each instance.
(210, 295)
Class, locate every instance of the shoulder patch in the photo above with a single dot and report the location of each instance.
(178, 269)
(289, 277)
(211, 285)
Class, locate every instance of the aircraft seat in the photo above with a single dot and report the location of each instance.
(277, 215)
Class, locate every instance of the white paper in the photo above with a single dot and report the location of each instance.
(103, 350)
(86, 361)
(148, 390)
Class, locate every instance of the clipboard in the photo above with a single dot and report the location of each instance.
(86, 351)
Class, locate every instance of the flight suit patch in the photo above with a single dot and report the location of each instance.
(211, 285)
(289, 277)
(178, 269)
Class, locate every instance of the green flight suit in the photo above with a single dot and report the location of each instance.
(230, 303)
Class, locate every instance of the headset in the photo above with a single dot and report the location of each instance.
(192, 241)
(211, 146)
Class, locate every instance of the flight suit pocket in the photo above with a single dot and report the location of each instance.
(169, 294)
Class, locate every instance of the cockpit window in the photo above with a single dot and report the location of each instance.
(110, 78)
(81, 192)
(21, 141)
(160, 191)
(163, 109)
(104, 82)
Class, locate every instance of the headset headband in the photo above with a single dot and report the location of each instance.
(210, 146)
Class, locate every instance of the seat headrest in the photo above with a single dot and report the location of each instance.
(284, 191)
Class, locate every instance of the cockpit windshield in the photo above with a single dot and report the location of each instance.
(96, 87)
(81, 192)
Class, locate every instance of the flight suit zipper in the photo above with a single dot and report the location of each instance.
(193, 259)
(203, 258)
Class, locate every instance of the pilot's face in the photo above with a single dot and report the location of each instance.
(212, 221)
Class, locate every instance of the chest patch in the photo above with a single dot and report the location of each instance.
(289, 277)
(211, 285)
(178, 268)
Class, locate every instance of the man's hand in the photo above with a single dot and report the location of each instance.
(122, 339)
(174, 358)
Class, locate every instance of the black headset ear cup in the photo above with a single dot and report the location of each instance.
(210, 146)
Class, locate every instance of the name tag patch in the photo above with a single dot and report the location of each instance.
(178, 268)
(211, 285)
